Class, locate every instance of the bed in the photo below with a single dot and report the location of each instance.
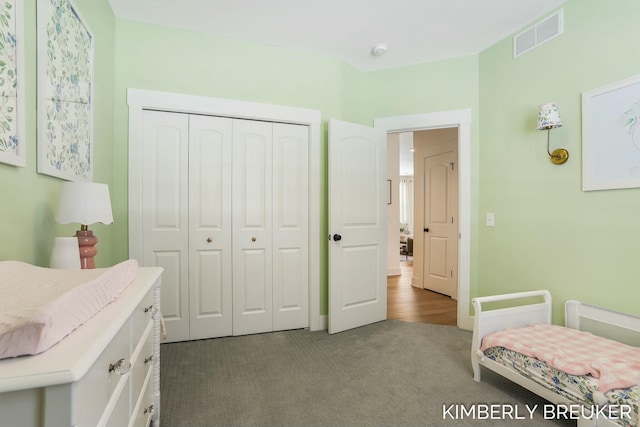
(504, 341)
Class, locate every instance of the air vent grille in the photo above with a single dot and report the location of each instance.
(540, 33)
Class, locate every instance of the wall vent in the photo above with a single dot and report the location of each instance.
(538, 34)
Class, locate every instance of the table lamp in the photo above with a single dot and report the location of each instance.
(85, 203)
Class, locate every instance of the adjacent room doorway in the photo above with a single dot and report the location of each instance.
(457, 121)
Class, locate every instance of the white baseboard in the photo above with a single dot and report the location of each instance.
(394, 271)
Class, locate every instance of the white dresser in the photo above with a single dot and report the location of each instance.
(105, 373)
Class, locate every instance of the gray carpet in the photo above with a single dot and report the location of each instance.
(390, 373)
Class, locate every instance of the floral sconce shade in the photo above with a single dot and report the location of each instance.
(65, 85)
(549, 118)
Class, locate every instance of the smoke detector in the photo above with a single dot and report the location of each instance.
(379, 49)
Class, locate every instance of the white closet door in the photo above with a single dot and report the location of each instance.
(210, 290)
(252, 229)
(290, 227)
(165, 216)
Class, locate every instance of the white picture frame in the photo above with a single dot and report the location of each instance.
(12, 116)
(65, 92)
(611, 136)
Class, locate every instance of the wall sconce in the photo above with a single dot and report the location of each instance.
(549, 118)
(85, 203)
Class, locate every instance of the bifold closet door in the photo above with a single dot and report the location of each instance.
(210, 279)
(165, 213)
(270, 231)
(252, 227)
(186, 212)
(225, 213)
(290, 226)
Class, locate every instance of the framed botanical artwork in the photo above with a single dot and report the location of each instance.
(611, 136)
(65, 92)
(12, 113)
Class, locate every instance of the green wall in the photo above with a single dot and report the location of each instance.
(549, 233)
(28, 200)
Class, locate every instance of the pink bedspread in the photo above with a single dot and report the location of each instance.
(616, 365)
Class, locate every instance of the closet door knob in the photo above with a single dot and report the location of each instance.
(253, 239)
(209, 239)
(337, 237)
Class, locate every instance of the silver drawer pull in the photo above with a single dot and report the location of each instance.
(150, 410)
(153, 359)
(121, 367)
(153, 310)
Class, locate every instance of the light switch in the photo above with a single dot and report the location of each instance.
(490, 219)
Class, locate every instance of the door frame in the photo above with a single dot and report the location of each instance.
(140, 99)
(445, 119)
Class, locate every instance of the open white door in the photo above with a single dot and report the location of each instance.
(358, 195)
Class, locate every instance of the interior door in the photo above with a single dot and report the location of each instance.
(440, 224)
(357, 226)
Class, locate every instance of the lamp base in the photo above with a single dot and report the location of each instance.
(87, 242)
(559, 156)
(65, 254)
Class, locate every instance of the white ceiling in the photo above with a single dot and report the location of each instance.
(415, 31)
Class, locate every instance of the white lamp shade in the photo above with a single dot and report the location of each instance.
(85, 203)
(548, 117)
(65, 253)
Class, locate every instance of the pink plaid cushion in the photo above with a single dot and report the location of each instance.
(616, 365)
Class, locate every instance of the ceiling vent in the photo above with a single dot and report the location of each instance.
(540, 33)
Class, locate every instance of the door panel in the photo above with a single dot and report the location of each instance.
(207, 287)
(252, 228)
(441, 230)
(357, 226)
(165, 215)
(210, 231)
(360, 290)
(290, 227)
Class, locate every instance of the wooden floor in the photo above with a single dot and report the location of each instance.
(404, 302)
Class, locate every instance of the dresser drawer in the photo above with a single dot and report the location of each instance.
(119, 415)
(145, 311)
(94, 390)
(145, 358)
(144, 407)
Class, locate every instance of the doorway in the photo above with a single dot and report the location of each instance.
(461, 120)
(424, 287)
